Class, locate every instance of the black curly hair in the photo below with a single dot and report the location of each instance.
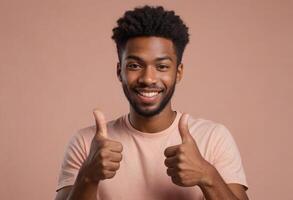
(151, 21)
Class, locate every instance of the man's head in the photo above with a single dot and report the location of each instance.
(151, 21)
(150, 42)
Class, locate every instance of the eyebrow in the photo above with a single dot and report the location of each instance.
(157, 59)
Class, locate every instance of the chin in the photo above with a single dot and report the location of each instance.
(148, 112)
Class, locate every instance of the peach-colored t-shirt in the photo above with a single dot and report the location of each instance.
(142, 173)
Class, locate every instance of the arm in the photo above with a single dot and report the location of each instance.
(81, 189)
(63, 193)
(218, 189)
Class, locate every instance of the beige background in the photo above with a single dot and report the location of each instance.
(57, 62)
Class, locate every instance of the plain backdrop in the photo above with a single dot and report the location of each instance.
(58, 62)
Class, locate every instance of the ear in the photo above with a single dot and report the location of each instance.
(179, 74)
(118, 71)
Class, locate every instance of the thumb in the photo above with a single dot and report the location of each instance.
(101, 126)
(183, 128)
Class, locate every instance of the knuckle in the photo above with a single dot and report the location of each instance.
(181, 157)
(181, 174)
(166, 162)
(103, 164)
(118, 166)
(115, 166)
(103, 153)
(166, 152)
(181, 149)
(106, 143)
(187, 182)
(111, 174)
(101, 144)
(120, 146)
(120, 157)
(180, 166)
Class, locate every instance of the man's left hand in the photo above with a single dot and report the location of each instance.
(185, 165)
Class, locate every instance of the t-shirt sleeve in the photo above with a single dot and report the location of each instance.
(226, 157)
(75, 155)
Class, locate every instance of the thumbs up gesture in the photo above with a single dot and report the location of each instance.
(185, 165)
(105, 154)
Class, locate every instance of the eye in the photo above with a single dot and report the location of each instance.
(133, 66)
(162, 67)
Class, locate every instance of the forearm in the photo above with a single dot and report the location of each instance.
(216, 188)
(83, 189)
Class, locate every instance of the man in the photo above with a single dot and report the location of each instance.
(153, 152)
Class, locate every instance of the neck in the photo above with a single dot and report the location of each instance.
(155, 123)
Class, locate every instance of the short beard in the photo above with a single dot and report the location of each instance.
(150, 113)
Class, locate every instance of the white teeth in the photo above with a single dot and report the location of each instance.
(148, 94)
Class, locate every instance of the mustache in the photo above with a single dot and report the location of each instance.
(150, 88)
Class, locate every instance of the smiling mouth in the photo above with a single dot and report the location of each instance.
(148, 94)
(148, 97)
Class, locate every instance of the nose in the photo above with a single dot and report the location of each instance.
(148, 76)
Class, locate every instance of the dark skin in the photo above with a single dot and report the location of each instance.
(150, 62)
(147, 63)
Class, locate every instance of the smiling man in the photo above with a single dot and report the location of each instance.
(153, 152)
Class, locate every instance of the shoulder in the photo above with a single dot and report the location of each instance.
(87, 133)
(207, 127)
(201, 124)
(212, 137)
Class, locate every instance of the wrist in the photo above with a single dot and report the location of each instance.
(84, 177)
(83, 189)
(209, 176)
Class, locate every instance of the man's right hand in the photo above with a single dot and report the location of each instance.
(102, 163)
(105, 154)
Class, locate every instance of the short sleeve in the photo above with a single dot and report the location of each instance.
(75, 155)
(226, 157)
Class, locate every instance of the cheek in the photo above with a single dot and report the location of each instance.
(168, 79)
(129, 78)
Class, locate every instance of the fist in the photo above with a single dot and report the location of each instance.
(105, 154)
(184, 163)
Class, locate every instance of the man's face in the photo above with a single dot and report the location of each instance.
(148, 73)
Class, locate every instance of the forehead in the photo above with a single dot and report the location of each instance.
(149, 47)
